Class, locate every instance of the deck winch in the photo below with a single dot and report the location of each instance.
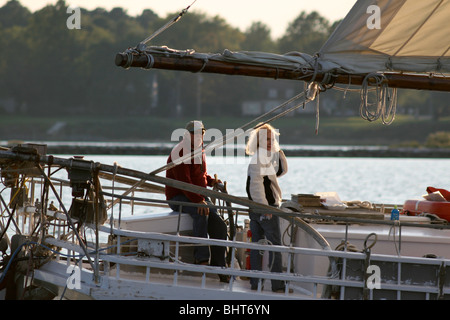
(85, 205)
(79, 178)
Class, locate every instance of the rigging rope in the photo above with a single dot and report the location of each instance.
(143, 43)
(244, 129)
(310, 95)
(385, 101)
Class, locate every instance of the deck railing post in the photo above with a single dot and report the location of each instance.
(344, 262)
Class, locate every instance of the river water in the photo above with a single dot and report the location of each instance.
(378, 180)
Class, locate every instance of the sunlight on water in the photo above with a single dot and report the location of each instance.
(380, 180)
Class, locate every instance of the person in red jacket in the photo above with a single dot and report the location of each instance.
(206, 221)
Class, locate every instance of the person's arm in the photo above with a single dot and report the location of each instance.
(282, 164)
(183, 173)
(212, 181)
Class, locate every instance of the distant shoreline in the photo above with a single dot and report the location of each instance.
(158, 149)
(388, 153)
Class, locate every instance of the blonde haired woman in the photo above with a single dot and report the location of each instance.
(267, 164)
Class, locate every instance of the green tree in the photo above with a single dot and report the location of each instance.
(14, 14)
(13, 54)
(257, 38)
(109, 89)
(185, 93)
(307, 33)
(52, 50)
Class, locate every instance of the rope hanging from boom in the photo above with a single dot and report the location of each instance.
(385, 101)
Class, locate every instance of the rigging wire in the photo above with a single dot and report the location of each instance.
(242, 130)
(166, 26)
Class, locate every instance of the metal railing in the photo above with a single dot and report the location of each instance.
(64, 237)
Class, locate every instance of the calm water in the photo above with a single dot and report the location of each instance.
(380, 180)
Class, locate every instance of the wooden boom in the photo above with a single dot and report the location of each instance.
(186, 63)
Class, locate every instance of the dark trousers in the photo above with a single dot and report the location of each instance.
(265, 229)
(211, 225)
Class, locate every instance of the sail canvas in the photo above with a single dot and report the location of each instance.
(392, 35)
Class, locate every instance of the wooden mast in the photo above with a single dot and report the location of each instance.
(169, 62)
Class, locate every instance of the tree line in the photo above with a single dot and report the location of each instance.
(48, 69)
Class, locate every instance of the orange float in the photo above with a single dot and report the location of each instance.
(439, 208)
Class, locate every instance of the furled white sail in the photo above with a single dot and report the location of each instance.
(391, 35)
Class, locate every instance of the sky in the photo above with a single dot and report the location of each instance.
(239, 13)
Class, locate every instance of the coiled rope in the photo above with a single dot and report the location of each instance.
(385, 104)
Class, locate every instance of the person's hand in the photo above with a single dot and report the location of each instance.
(203, 211)
(216, 181)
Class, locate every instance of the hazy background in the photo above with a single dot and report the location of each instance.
(61, 84)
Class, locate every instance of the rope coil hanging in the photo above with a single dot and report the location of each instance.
(385, 103)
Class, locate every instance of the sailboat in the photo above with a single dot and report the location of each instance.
(405, 42)
(83, 245)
